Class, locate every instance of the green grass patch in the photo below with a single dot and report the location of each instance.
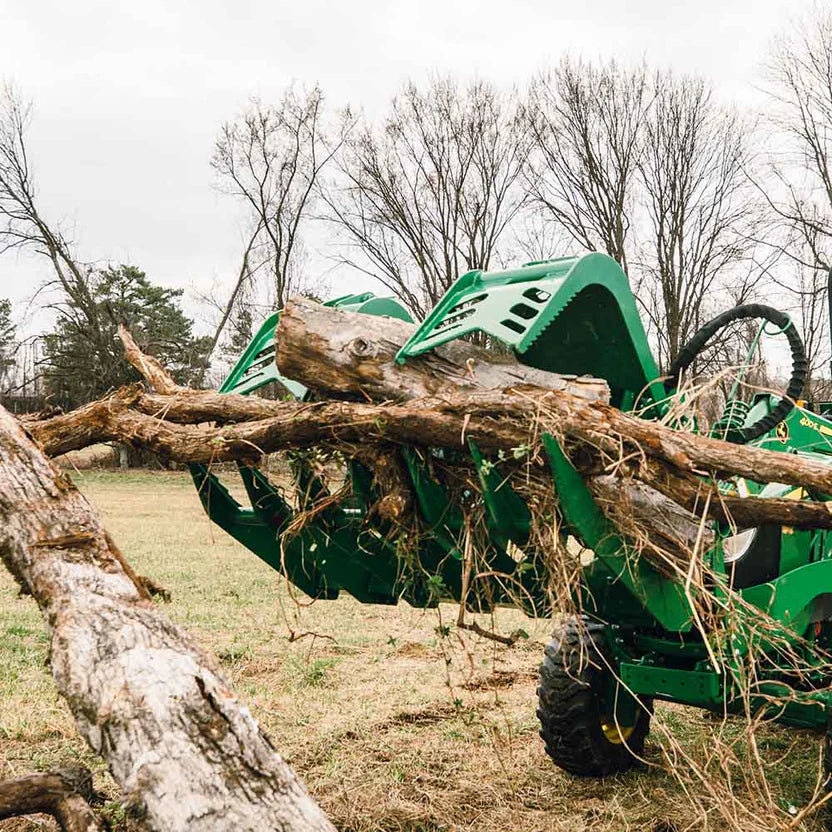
(385, 720)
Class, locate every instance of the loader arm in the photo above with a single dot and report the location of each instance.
(570, 315)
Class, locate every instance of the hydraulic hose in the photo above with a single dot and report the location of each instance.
(797, 381)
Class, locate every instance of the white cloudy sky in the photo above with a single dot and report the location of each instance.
(128, 96)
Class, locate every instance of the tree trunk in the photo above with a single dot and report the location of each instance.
(186, 752)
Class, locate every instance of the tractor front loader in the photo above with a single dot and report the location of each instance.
(638, 637)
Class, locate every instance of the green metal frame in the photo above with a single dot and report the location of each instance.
(664, 600)
(569, 315)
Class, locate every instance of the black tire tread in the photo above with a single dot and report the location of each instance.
(570, 720)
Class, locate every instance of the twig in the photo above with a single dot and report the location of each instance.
(295, 636)
(509, 640)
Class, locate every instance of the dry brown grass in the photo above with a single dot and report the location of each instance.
(393, 725)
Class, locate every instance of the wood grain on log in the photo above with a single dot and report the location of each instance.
(63, 793)
(671, 526)
(186, 752)
(335, 351)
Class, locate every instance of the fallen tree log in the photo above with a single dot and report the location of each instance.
(491, 419)
(331, 351)
(187, 754)
(312, 338)
(610, 441)
(496, 418)
(335, 352)
(64, 794)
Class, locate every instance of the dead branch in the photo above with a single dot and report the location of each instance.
(64, 794)
(509, 640)
(150, 368)
(665, 459)
(438, 423)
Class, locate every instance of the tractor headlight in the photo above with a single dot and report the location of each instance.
(735, 546)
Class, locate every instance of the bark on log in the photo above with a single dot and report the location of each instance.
(64, 794)
(306, 351)
(148, 366)
(186, 752)
(670, 526)
(334, 351)
(494, 420)
(665, 459)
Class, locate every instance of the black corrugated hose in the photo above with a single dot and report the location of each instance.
(799, 366)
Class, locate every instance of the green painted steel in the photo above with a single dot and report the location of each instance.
(509, 517)
(802, 431)
(792, 598)
(256, 367)
(252, 529)
(693, 687)
(569, 315)
(662, 598)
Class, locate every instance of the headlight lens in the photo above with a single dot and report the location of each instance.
(735, 546)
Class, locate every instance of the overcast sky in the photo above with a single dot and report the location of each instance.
(129, 96)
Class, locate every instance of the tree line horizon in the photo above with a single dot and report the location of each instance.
(703, 205)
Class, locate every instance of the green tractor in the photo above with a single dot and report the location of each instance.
(636, 639)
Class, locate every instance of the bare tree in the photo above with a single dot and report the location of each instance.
(8, 346)
(22, 226)
(808, 291)
(699, 204)
(800, 88)
(430, 193)
(799, 185)
(647, 168)
(586, 121)
(242, 288)
(89, 301)
(270, 158)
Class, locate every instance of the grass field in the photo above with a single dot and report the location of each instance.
(394, 722)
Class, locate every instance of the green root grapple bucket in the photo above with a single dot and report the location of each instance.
(637, 638)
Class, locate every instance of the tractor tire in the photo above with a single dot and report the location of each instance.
(582, 733)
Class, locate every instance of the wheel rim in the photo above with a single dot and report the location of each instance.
(618, 711)
(614, 731)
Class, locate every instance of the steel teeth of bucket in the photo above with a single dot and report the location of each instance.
(323, 545)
